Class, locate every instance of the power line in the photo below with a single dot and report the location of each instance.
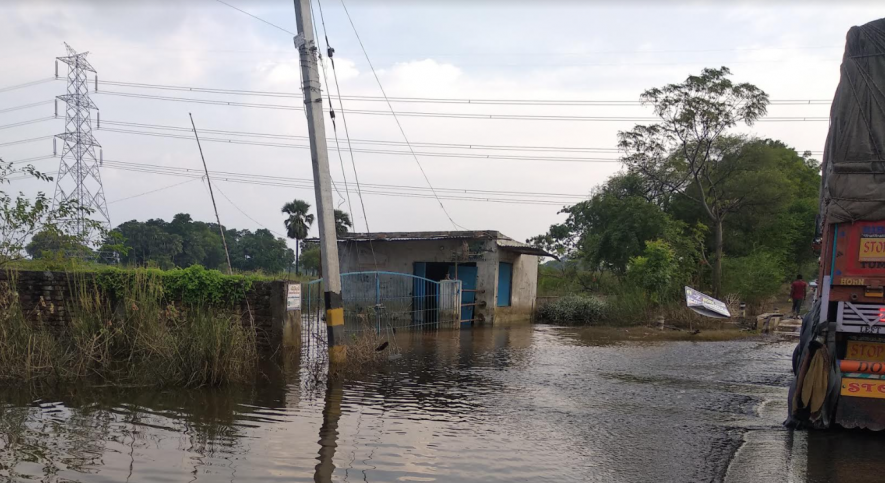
(332, 113)
(561, 159)
(371, 142)
(384, 190)
(28, 160)
(24, 141)
(153, 191)
(27, 84)
(396, 114)
(431, 100)
(25, 106)
(24, 123)
(249, 217)
(256, 18)
(380, 193)
(174, 169)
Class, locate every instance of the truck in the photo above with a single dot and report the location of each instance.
(839, 362)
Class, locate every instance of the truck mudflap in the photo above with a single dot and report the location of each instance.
(861, 412)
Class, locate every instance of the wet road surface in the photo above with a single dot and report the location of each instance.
(519, 404)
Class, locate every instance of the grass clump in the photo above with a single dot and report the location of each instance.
(572, 310)
(131, 335)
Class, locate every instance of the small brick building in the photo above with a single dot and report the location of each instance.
(499, 275)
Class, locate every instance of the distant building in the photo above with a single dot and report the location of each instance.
(499, 275)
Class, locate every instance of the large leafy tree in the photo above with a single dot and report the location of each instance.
(149, 242)
(258, 250)
(684, 152)
(611, 227)
(298, 222)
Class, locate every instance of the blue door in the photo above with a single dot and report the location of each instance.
(505, 281)
(467, 276)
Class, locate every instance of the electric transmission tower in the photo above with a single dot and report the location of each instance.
(78, 177)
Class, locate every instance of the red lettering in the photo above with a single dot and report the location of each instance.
(867, 387)
(853, 387)
(881, 388)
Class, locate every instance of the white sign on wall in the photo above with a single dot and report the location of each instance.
(293, 297)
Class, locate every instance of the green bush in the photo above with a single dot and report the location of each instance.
(755, 277)
(192, 285)
(572, 310)
(654, 270)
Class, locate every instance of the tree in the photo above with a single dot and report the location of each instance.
(342, 222)
(22, 218)
(149, 242)
(51, 241)
(610, 228)
(200, 244)
(684, 149)
(310, 259)
(259, 250)
(297, 223)
(654, 270)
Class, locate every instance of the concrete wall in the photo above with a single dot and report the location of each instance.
(524, 288)
(48, 297)
(400, 256)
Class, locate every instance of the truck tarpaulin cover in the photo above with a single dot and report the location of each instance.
(853, 162)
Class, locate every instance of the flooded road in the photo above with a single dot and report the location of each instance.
(519, 404)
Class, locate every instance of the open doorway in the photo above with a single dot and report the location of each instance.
(426, 303)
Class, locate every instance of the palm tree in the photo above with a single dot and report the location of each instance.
(342, 222)
(297, 224)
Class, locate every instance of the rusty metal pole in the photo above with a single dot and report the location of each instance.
(322, 179)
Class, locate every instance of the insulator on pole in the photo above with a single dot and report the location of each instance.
(100, 157)
(56, 68)
(56, 107)
(96, 83)
(54, 149)
(97, 120)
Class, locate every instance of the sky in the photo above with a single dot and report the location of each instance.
(479, 51)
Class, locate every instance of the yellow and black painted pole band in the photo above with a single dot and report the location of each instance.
(335, 326)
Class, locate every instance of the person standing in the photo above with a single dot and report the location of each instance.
(798, 290)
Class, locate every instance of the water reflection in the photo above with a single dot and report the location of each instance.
(533, 404)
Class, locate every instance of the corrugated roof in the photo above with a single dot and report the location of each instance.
(502, 241)
(421, 235)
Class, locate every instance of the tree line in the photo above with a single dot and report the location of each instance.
(696, 204)
(183, 242)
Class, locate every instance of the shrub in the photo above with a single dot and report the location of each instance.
(572, 310)
(654, 270)
(755, 277)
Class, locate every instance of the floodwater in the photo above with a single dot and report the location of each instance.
(486, 405)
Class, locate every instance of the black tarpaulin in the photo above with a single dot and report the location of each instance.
(853, 163)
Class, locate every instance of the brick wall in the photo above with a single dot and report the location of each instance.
(46, 297)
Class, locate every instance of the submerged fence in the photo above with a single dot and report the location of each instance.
(383, 301)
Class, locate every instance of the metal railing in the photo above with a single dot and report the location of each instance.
(383, 301)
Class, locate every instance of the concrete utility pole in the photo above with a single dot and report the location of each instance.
(322, 180)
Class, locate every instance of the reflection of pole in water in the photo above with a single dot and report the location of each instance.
(329, 431)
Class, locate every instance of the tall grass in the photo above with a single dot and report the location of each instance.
(134, 336)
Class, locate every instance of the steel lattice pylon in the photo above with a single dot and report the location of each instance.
(78, 177)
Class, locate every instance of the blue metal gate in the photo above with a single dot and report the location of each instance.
(384, 301)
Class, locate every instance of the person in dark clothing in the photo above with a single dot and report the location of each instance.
(798, 290)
